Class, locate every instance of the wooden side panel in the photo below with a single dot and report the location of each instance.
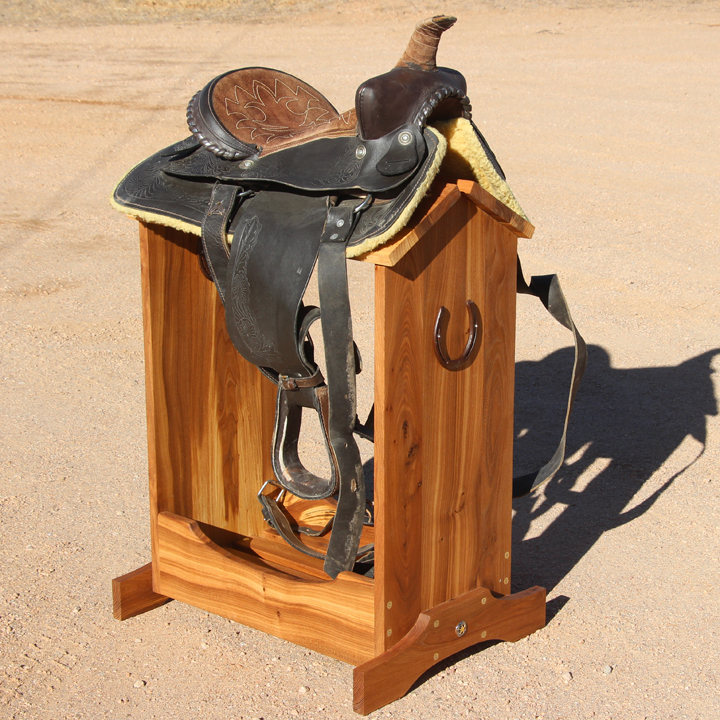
(443, 448)
(210, 413)
(498, 356)
(398, 450)
(133, 594)
(334, 617)
(452, 415)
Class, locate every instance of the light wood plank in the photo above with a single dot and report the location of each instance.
(496, 407)
(518, 225)
(434, 637)
(334, 617)
(133, 594)
(398, 448)
(430, 211)
(210, 413)
(443, 459)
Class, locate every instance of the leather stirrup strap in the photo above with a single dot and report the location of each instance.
(275, 516)
(547, 289)
(279, 522)
(340, 370)
(214, 227)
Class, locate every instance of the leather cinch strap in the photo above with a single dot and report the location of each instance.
(547, 289)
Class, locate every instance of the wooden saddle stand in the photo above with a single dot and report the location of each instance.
(443, 433)
(443, 459)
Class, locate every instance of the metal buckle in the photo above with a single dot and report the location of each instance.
(364, 204)
(274, 484)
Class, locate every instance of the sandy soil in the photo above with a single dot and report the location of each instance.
(606, 118)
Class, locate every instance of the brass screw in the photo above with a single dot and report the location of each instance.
(436, 623)
(436, 656)
(507, 581)
(389, 605)
(483, 634)
(461, 628)
(484, 600)
(507, 555)
(389, 633)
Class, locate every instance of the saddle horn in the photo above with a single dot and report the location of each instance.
(421, 51)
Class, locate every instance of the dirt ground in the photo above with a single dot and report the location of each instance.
(606, 119)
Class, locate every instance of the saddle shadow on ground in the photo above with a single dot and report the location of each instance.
(626, 424)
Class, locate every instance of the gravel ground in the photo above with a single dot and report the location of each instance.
(606, 118)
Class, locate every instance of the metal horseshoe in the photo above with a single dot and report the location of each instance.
(441, 325)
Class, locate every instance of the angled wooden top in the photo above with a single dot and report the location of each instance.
(432, 211)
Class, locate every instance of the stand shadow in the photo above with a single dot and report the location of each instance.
(625, 425)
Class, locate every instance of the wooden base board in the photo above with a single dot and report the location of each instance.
(438, 633)
(133, 594)
(333, 617)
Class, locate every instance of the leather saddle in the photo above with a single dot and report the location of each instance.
(276, 181)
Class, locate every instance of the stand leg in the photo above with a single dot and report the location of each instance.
(133, 594)
(475, 616)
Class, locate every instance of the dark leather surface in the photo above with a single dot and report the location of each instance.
(408, 96)
(177, 183)
(323, 165)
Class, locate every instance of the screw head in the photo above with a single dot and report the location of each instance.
(340, 223)
(507, 555)
(461, 628)
(360, 152)
(436, 656)
(436, 623)
(334, 236)
(484, 600)
(389, 633)
(389, 605)
(483, 634)
(248, 164)
(405, 138)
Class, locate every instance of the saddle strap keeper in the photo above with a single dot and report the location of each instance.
(214, 230)
(547, 289)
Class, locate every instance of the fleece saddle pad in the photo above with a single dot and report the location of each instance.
(276, 181)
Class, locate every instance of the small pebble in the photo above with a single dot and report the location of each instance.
(303, 689)
(139, 683)
(567, 676)
(607, 669)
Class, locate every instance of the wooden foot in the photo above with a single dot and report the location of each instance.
(475, 616)
(133, 594)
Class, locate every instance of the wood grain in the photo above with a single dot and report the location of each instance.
(334, 617)
(133, 594)
(434, 637)
(398, 450)
(210, 413)
(443, 450)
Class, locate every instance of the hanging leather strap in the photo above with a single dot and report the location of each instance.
(547, 289)
(340, 369)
